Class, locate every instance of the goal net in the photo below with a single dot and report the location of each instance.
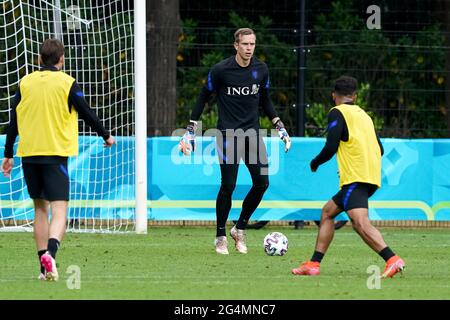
(100, 54)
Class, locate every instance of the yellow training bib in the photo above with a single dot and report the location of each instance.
(46, 125)
(359, 159)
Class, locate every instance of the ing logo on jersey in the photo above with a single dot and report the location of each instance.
(243, 91)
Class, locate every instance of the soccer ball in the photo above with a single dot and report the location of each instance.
(275, 244)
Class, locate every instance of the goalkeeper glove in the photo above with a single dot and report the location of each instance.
(282, 133)
(187, 143)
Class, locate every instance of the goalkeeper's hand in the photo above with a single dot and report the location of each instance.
(187, 142)
(282, 133)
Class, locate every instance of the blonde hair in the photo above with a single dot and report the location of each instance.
(242, 32)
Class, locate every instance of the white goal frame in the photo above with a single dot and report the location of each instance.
(138, 100)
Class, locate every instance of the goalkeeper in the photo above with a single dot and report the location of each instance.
(241, 83)
(45, 115)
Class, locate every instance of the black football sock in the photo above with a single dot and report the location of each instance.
(223, 207)
(53, 245)
(40, 253)
(251, 202)
(386, 253)
(317, 257)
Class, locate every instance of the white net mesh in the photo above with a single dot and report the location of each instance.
(98, 37)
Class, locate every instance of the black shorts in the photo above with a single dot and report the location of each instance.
(354, 195)
(47, 181)
(250, 149)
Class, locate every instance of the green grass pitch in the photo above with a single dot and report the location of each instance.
(180, 263)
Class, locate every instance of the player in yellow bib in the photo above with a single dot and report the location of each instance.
(351, 134)
(44, 114)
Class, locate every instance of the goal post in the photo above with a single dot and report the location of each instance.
(105, 52)
(140, 75)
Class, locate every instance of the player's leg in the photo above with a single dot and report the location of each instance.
(361, 224)
(41, 226)
(35, 185)
(255, 159)
(57, 229)
(372, 236)
(326, 231)
(229, 166)
(324, 238)
(59, 222)
(40, 230)
(56, 185)
(358, 213)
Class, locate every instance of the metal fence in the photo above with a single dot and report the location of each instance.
(398, 50)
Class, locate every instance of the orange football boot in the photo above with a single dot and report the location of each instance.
(308, 268)
(394, 265)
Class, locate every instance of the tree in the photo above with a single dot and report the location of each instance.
(163, 28)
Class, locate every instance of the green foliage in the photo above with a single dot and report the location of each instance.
(363, 99)
(317, 113)
(316, 123)
(402, 75)
(405, 75)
